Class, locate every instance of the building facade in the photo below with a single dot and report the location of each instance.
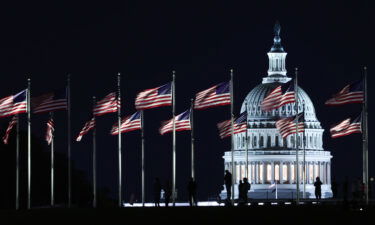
(272, 159)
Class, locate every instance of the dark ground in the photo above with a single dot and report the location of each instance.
(266, 214)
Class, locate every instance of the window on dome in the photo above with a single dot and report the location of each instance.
(255, 141)
(261, 142)
(243, 141)
(268, 141)
(276, 141)
(292, 141)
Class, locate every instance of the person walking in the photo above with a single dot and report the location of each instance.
(318, 188)
(228, 183)
(192, 190)
(167, 192)
(240, 193)
(157, 192)
(246, 188)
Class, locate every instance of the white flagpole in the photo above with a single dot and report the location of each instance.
(247, 147)
(119, 141)
(17, 162)
(28, 144)
(365, 138)
(232, 131)
(52, 165)
(94, 158)
(174, 140)
(192, 138)
(143, 159)
(69, 145)
(296, 135)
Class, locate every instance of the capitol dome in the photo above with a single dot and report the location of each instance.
(263, 156)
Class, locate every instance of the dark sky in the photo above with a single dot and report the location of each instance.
(329, 42)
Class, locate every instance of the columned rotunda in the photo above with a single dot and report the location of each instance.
(270, 157)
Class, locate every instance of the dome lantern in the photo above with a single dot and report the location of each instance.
(276, 57)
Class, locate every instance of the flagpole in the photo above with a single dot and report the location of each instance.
(143, 159)
(247, 147)
(232, 132)
(192, 138)
(28, 144)
(94, 158)
(52, 165)
(296, 134)
(365, 138)
(17, 162)
(119, 141)
(304, 161)
(174, 139)
(69, 145)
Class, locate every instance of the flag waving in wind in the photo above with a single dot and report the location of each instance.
(89, 125)
(239, 126)
(287, 126)
(50, 130)
(50, 102)
(155, 97)
(352, 93)
(14, 104)
(214, 96)
(12, 122)
(281, 95)
(107, 105)
(346, 127)
(128, 124)
(182, 122)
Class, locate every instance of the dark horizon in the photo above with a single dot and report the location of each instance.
(330, 43)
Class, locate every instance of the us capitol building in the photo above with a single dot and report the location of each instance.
(270, 157)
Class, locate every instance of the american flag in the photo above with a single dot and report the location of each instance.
(352, 93)
(214, 96)
(50, 130)
(14, 104)
(89, 125)
(155, 97)
(287, 126)
(239, 126)
(281, 95)
(50, 102)
(346, 127)
(107, 105)
(182, 122)
(9, 129)
(128, 124)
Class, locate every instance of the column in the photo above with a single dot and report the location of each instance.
(256, 178)
(321, 170)
(328, 173)
(281, 165)
(240, 168)
(307, 172)
(289, 172)
(272, 172)
(314, 174)
(264, 175)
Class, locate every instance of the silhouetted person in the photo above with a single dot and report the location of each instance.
(318, 188)
(167, 192)
(334, 187)
(192, 191)
(157, 191)
(240, 193)
(228, 183)
(246, 188)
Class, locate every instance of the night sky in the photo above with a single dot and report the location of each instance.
(145, 40)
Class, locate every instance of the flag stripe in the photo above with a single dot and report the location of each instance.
(107, 105)
(89, 125)
(9, 129)
(211, 98)
(154, 97)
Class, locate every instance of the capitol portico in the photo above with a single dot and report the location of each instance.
(270, 157)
